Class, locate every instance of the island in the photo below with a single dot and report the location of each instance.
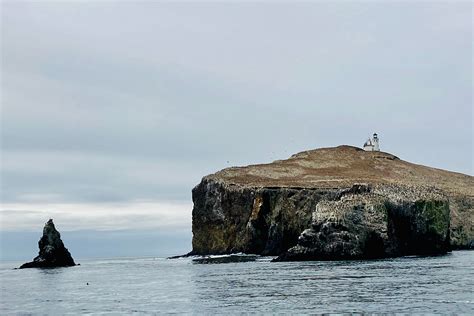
(333, 203)
(52, 252)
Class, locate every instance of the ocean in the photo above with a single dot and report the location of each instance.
(242, 284)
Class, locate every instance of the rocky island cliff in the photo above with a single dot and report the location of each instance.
(52, 252)
(333, 203)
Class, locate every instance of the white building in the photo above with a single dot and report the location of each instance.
(372, 144)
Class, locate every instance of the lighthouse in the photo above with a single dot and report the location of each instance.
(375, 141)
(372, 144)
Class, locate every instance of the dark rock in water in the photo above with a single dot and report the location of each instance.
(52, 252)
(225, 259)
(333, 203)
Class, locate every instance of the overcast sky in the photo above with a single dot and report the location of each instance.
(113, 111)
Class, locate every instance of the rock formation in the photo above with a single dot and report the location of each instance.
(333, 203)
(372, 224)
(52, 252)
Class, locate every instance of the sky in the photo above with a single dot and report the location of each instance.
(112, 111)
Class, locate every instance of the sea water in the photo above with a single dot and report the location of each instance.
(242, 284)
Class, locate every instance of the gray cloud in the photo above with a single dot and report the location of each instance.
(136, 215)
(121, 102)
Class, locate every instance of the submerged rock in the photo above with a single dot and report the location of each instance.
(333, 203)
(52, 252)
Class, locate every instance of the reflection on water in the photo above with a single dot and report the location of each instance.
(243, 284)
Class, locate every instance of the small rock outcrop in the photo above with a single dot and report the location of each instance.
(333, 203)
(52, 252)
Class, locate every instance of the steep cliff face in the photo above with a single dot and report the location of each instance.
(333, 203)
(462, 221)
(373, 225)
(52, 252)
(230, 218)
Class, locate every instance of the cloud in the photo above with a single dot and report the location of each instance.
(75, 176)
(136, 215)
(116, 103)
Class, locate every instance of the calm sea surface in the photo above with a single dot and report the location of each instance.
(442, 284)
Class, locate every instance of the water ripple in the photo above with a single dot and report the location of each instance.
(236, 284)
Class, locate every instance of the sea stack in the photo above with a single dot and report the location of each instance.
(333, 203)
(52, 252)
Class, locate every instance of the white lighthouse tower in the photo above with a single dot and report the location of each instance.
(372, 144)
(375, 141)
